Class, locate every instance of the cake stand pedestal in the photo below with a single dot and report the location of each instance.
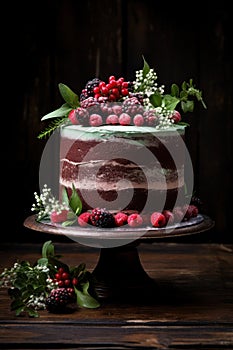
(119, 272)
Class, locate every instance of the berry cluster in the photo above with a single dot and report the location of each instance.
(113, 90)
(114, 103)
(129, 112)
(60, 299)
(63, 278)
(100, 217)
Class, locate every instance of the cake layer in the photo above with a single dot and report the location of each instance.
(126, 162)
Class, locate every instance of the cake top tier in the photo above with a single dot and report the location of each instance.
(139, 103)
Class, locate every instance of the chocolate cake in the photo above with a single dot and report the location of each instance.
(123, 167)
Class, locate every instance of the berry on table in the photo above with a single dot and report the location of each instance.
(60, 300)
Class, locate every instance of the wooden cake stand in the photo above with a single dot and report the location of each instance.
(119, 272)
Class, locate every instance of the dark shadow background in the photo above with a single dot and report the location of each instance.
(48, 42)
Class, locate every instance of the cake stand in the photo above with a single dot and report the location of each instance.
(119, 272)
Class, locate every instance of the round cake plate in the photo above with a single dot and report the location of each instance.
(119, 272)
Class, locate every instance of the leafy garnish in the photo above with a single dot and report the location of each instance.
(29, 285)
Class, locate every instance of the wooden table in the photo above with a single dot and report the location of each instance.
(191, 309)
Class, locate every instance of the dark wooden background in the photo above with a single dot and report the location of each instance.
(48, 42)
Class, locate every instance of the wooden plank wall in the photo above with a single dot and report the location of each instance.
(72, 41)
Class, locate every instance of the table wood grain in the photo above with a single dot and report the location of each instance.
(192, 307)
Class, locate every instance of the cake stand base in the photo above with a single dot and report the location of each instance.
(120, 275)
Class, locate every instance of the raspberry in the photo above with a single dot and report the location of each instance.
(100, 217)
(120, 218)
(135, 220)
(95, 120)
(124, 119)
(83, 219)
(138, 120)
(176, 117)
(73, 117)
(157, 219)
(60, 300)
(169, 216)
(57, 217)
(190, 211)
(112, 119)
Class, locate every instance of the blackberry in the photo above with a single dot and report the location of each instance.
(132, 106)
(100, 217)
(90, 85)
(60, 300)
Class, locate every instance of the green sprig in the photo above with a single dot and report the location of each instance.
(29, 285)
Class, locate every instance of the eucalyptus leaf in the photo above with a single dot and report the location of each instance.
(69, 96)
(60, 112)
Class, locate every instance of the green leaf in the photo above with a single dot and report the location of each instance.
(156, 100)
(170, 102)
(60, 112)
(47, 249)
(69, 96)
(84, 299)
(175, 90)
(65, 197)
(187, 106)
(75, 201)
(146, 68)
(69, 222)
(42, 261)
